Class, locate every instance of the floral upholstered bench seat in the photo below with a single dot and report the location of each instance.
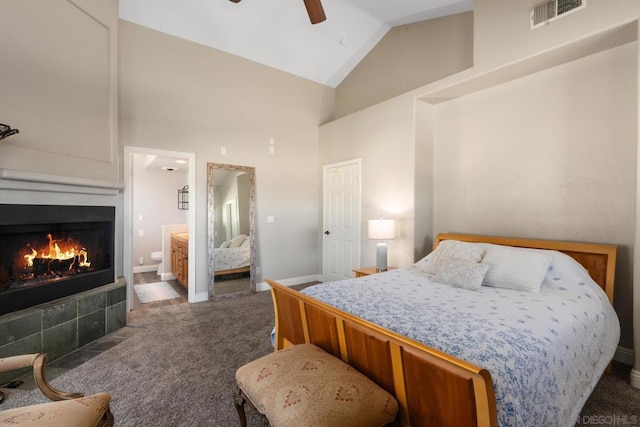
(305, 386)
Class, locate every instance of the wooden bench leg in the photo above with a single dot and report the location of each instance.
(107, 419)
(239, 402)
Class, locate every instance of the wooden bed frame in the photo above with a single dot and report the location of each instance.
(232, 271)
(432, 387)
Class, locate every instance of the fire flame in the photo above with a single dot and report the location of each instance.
(55, 252)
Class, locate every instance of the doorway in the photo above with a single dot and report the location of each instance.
(134, 222)
(341, 220)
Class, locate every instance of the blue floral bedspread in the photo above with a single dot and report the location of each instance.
(545, 351)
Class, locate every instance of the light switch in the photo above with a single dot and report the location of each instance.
(272, 149)
(141, 232)
(271, 219)
(223, 150)
(140, 217)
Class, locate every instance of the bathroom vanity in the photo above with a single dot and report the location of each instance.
(180, 257)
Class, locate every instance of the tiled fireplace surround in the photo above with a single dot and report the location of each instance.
(67, 324)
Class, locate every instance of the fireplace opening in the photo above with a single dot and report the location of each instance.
(52, 251)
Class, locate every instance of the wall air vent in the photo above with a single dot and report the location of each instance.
(546, 11)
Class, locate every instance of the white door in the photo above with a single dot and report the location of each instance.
(341, 219)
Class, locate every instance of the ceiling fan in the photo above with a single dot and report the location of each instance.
(314, 9)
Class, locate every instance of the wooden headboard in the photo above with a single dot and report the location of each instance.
(598, 259)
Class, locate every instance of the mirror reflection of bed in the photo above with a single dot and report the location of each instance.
(230, 229)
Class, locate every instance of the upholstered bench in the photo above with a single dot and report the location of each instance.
(305, 386)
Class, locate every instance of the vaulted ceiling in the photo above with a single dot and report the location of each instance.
(278, 33)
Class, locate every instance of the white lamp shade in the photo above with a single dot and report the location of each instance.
(382, 229)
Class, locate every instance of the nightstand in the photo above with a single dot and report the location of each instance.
(366, 271)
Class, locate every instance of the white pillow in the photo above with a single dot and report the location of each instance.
(246, 242)
(462, 274)
(456, 249)
(237, 241)
(225, 245)
(512, 268)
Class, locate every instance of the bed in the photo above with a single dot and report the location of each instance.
(233, 256)
(460, 357)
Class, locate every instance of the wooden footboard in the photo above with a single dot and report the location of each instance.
(432, 388)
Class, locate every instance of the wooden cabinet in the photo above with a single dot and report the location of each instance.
(360, 272)
(180, 257)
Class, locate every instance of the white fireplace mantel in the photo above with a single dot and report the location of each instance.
(12, 175)
(24, 187)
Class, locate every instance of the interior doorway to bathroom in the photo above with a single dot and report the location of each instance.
(157, 184)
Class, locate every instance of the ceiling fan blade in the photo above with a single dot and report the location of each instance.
(315, 11)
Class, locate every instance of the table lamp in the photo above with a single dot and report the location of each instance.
(381, 229)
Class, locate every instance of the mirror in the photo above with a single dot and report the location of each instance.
(230, 229)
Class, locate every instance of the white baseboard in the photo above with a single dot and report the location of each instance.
(148, 268)
(263, 286)
(635, 378)
(145, 268)
(624, 355)
(167, 276)
(202, 297)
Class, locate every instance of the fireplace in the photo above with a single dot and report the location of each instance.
(49, 252)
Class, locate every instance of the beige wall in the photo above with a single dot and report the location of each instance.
(550, 156)
(408, 57)
(178, 95)
(424, 209)
(58, 86)
(382, 137)
(502, 31)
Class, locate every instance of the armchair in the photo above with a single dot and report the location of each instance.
(66, 409)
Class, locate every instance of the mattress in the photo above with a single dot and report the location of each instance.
(230, 258)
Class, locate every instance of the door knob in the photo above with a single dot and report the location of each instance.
(327, 232)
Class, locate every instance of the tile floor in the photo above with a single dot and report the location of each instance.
(138, 308)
